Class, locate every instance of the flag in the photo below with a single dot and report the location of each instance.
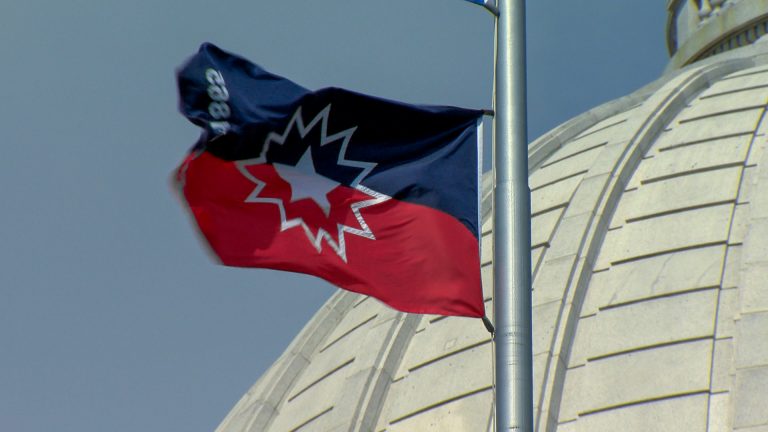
(374, 196)
(487, 3)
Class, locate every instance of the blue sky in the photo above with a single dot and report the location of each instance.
(112, 315)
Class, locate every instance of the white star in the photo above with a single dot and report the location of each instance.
(306, 182)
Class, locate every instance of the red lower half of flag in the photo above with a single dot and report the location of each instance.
(411, 257)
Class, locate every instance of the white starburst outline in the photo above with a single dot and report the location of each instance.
(316, 240)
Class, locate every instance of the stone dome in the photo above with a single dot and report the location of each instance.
(650, 265)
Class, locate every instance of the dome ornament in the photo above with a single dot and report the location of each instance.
(705, 9)
(703, 28)
(711, 8)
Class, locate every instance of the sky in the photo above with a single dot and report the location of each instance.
(113, 317)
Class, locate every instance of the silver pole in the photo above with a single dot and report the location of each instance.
(512, 227)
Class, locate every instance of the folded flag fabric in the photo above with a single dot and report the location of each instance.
(491, 3)
(374, 196)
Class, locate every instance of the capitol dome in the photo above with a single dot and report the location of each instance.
(650, 269)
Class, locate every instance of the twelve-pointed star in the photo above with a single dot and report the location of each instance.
(305, 182)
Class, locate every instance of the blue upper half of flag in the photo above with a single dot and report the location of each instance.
(420, 154)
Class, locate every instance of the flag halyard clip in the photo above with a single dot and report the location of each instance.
(489, 326)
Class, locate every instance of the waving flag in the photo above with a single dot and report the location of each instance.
(491, 4)
(374, 196)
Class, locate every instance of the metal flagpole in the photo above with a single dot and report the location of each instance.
(512, 226)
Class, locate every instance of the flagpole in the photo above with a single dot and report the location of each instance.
(512, 226)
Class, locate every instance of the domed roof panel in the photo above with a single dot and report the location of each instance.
(671, 242)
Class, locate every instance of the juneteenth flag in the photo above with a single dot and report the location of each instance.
(375, 196)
